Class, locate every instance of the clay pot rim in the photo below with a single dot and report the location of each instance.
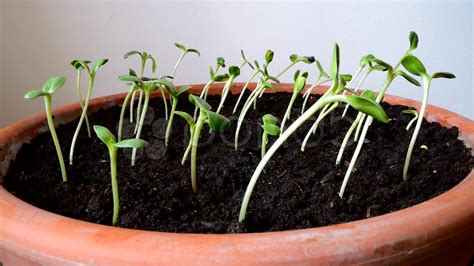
(19, 213)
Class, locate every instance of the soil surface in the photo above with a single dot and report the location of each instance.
(297, 189)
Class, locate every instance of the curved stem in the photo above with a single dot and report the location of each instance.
(132, 103)
(188, 149)
(286, 69)
(52, 130)
(244, 111)
(421, 114)
(243, 90)
(165, 102)
(140, 126)
(288, 112)
(81, 120)
(225, 92)
(324, 112)
(177, 64)
(174, 103)
(309, 91)
(122, 111)
(347, 137)
(194, 145)
(81, 101)
(139, 107)
(359, 126)
(203, 95)
(411, 122)
(113, 177)
(264, 143)
(356, 89)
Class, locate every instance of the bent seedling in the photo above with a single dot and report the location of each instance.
(414, 66)
(334, 95)
(413, 113)
(112, 145)
(49, 88)
(234, 72)
(297, 88)
(79, 69)
(269, 128)
(319, 81)
(91, 74)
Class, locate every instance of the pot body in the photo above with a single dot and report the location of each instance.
(436, 232)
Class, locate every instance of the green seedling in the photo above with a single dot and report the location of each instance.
(112, 145)
(254, 74)
(174, 93)
(234, 72)
(144, 56)
(91, 74)
(49, 88)
(415, 67)
(216, 122)
(192, 126)
(333, 95)
(269, 128)
(392, 73)
(297, 88)
(413, 113)
(79, 69)
(185, 51)
(322, 78)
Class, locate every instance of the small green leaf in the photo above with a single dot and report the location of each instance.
(180, 46)
(131, 143)
(221, 61)
(305, 75)
(308, 59)
(335, 62)
(445, 75)
(186, 117)
(266, 85)
(269, 56)
(296, 75)
(369, 94)
(269, 119)
(211, 72)
(322, 73)
(414, 65)
(131, 53)
(78, 65)
(99, 63)
(221, 78)
(104, 135)
(194, 51)
(151, 86)
(294, 57)
(129, 78)
(184, 89)
(346, 77)
(153, 63)
(410, 112)
(257, 65)
(299, 84)
(234, 71)
(53, 84)
(132, 72)
(217, 122)
(367, 106)
(170, 88)
(408, 77)
(33, 94)
(272, 130)
(413, 40)
(273, 78)
(366, 59)
(200, 103)
(380, 62)
(379, 68)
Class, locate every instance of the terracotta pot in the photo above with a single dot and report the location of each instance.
(438, 231)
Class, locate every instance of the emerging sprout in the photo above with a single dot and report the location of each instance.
(234, 72)
(49, 88)
(412, 112)
(217, 123)
(174, 93)
(269, 128)
(414, 66)
(91, 73)
(79, 69)
(112, 145)
(334, 95)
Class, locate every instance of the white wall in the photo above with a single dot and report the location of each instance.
(40, 38)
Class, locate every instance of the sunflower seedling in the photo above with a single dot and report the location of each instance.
(91, 74)
(319, 81)
(414, 66)
(112, 145)
(234, 72)
(185, 51)
(216, 122)
(297, 88)
(49, 88)
(79, 69)
(413, 113)
(269, 128)
(174, 93)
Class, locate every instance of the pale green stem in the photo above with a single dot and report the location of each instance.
(113, 176)
(142, 121)
(194, 145)
(81, 120)
(174, 103)
(243, 90)
(165, 102)
(227, 87)
(310, 91)
(286, 69)
(81, 101)
(52, 130)
(132, 103)
(288, 112)
(356, 122)
(264, 143)
(411, 122)
(321, 117)
(359, 126)
(203, 95)
(177, 63)
(243, 113)
(122, 111)
(426, 91)
(280, 141)
(188, 149)
(139, 106)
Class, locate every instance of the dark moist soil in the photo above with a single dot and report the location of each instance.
(297, 190)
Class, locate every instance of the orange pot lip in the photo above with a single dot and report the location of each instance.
(48, 236)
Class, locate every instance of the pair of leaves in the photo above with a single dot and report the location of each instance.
(297, 74)
(270, 125)
(109, 139)
(367, 105)
(49, 88)
(269, 56)
(144, 56)
(84, 64)
(414, 66)
(187, 50)
(322, 73)
(234, 71)
(306, 59)
(171, 89)
(300, 82)
(216, 121)
(245, 62)
(220, 63)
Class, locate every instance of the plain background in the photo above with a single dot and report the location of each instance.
(39, 38)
